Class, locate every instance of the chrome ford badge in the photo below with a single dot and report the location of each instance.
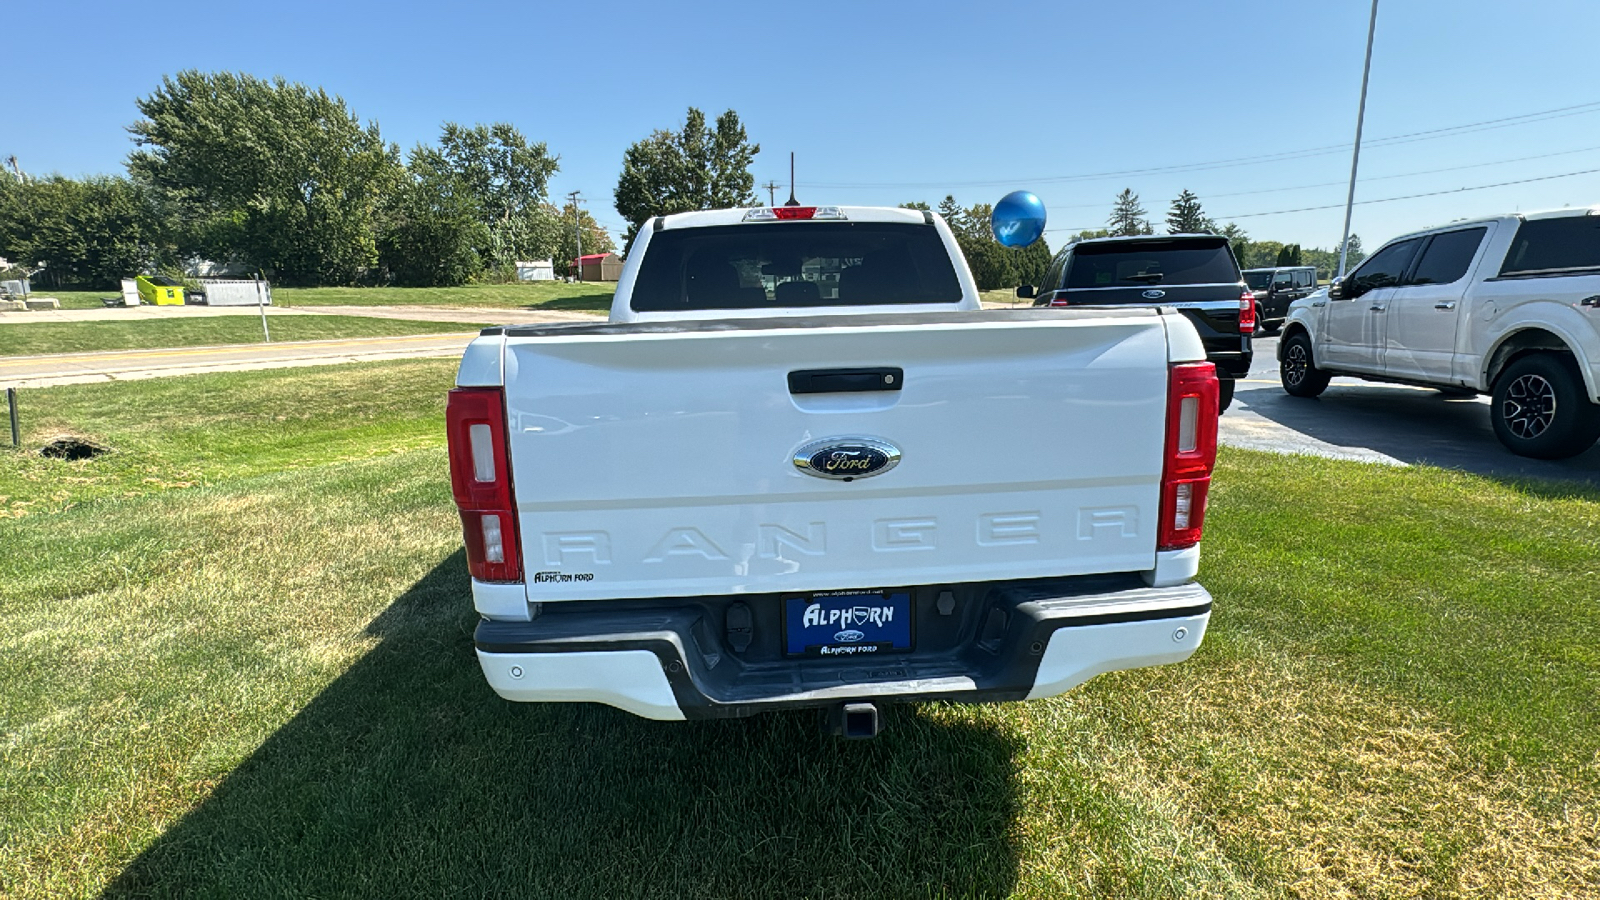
(1153, 295)
(847, 458)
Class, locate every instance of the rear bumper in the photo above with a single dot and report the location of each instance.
(1231, 363)
(668, 659)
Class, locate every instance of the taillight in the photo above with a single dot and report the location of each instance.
(480, 478)
(1247, 312)
(1191, 453)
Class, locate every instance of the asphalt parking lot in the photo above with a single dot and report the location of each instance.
(1383, 423)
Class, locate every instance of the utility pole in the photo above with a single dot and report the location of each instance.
(577, 229)
(1355, 156)
(772, 198)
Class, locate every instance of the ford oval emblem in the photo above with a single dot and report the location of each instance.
(1154, 295)
(847, 458)
(849, 636)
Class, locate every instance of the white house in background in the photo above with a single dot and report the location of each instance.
(536, 270)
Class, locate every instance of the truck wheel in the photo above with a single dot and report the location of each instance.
(1300, 376)
(1224, 394)
(1541, 410)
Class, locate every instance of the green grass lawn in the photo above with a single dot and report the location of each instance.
(76, 337)
(238, 663)
(529, 295)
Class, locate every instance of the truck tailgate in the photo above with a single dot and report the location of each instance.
(658, 461)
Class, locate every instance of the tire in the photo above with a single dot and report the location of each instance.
(1541, 409)
(1300, 376)
(1224, 394)
(1270, 329)
(1261, 319)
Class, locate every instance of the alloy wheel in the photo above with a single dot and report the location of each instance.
(1530, 406)
(1295, 363)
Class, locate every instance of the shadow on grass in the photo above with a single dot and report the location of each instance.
(406, 776)
(590, 301)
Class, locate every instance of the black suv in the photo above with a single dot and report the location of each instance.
(1195, 273)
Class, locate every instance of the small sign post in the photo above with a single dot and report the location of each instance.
(266, 337)
(11, 403)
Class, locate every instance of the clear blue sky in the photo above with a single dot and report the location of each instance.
(889, 102)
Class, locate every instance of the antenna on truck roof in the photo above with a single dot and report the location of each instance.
(792, 200)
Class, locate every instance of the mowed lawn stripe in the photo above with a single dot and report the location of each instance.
(263, 685)
(37, 338)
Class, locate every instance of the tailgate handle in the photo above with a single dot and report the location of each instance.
(845, 381)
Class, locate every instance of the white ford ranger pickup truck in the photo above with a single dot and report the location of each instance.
(801, 467)
(1507, 306)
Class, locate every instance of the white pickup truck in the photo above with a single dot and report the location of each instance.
(1508, 306)
(801, 467)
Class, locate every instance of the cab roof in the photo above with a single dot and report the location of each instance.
(736, 216)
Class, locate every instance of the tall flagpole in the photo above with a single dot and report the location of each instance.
(1355, 157)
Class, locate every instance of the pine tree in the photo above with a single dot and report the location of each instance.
(1127, 216)
(1237, 237)
(1186, 216)
(953, 214)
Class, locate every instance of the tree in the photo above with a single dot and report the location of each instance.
(595, 238)
(696, 168)
(1238, 239)
(281, 176)
(990, 262)
(1289, 255)
(433, 234)
(953, 214)
(1353, 252)
(505, 179)
(1090, 234)
(86, 234)
(1186, 216)
(1127, 216)
(979, 220)
(917, 204)
(1030, 262)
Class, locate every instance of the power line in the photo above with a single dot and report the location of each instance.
(1365, 179)
(1478, 187)
(1281, 156)
(1460, 190)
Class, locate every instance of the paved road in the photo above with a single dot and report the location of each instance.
(125, 365)
(1390, 424)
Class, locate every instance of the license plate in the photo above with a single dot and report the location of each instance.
(848, 623)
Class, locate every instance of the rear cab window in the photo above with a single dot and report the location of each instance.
(1258, 279)
(1448, 256)
(1554, 246)
(794, 264)
(1154, 263)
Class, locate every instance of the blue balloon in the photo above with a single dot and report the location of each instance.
(1018, 219)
